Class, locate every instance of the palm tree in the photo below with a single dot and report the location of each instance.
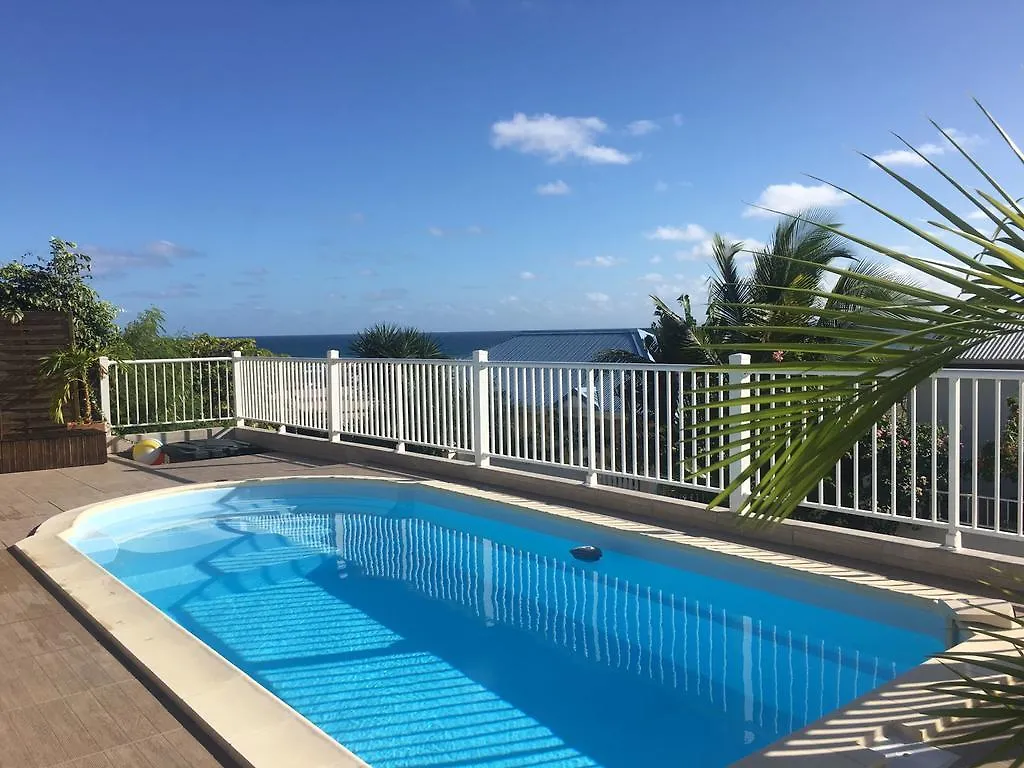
(393, 341)
(880, 350)
(788, 274)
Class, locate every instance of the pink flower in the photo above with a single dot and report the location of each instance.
(778, 356)
(904, 442)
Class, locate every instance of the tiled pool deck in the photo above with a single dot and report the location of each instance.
(64, 698)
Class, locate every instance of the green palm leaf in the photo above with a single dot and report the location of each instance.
(881, 328)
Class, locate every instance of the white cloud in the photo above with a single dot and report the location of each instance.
(159, 253)
(906, 157)
(652, 277)
(357, 217)
(793, 198)
(556, 138)
(929, 149)
(473, 229)
(655, 259)
(642, 127)
(508, 300)
(677, 119)
(688, 233)
(598, 298)
(661, 186)
(600, 261)
(527, 276)
(705, 248)
(554, 188)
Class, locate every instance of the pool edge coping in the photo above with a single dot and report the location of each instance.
(168, 655)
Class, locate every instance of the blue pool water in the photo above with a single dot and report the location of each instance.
(425, 628)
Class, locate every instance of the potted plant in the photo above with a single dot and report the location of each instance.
(69, 370)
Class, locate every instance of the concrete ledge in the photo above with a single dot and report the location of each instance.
(974, 570)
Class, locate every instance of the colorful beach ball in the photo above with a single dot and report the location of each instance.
(149, 451)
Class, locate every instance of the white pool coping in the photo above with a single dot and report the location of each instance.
(258, 729)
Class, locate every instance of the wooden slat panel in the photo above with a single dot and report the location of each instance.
(68, 448)
(24, 399)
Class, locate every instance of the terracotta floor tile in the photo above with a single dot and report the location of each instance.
(13, 752)
(160, 753)
(103, 728)
(99, 760)
(127, 756)
(192, 752)
(42, 745)
(63, 677)
(74, 739)
(110, 665)
(20, 639)
(124, 711)
(149, 706)
(81, 661)
(36, 682)
(56, 633)
(14, 692)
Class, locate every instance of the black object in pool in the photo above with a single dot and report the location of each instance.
(587, 552)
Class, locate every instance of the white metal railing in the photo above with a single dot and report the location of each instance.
(948, 457)
(172, 391)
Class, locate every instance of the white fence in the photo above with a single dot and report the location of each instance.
(948, 457)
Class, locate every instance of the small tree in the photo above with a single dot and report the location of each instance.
(59, 284)
(68, 370)
(393, 341)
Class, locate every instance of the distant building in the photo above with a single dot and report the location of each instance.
(569, 346)
(542, 387)
(1005, 352)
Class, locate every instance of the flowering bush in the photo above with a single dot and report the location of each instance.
(1009, 448)
(912, 480)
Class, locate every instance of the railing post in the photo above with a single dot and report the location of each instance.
(739, 388)
(236, 381)
(399, 390)
(333, 396)
(953, 441)
(481, 409)
(104, 363)
(591, 430)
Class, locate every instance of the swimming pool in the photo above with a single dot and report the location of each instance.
(422, 627)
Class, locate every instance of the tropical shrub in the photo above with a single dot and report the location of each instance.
(1009, 448)
(395, 342)
(59, 284)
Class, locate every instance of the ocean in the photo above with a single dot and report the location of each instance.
(458, 344)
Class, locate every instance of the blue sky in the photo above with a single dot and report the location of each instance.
(315, 166)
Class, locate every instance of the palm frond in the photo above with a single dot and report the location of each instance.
(901, 334)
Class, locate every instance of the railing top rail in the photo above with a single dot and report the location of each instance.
(172, 360)
(595, 366)
(269, 359)
(411, 360)
(980, 373)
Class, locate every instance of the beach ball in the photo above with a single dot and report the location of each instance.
(148, 451)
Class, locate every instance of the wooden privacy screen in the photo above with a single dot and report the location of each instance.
(28, 437)
(24, 398)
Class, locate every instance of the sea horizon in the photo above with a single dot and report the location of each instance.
(457, 344)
